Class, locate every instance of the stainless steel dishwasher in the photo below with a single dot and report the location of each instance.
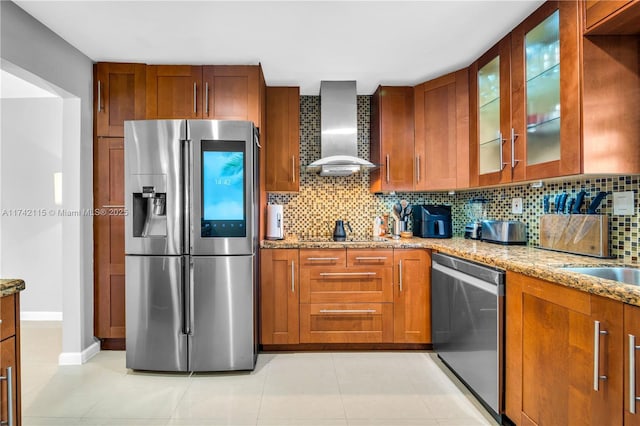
(467, 316)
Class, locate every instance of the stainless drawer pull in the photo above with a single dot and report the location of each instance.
(347, 311)
(596, 355)
(346, 274)
(113, 206)
(632, 374)
(293, 277)
(323, 258)
(371, 258)
(9, 379)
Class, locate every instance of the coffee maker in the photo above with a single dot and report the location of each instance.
(476, 210)
(432, 221)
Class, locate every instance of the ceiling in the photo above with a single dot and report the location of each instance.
(298, 43)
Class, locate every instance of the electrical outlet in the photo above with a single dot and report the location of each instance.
(516, 205)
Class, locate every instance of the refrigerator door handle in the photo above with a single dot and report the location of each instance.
(188, 188)
(186, 297)
(190, 299)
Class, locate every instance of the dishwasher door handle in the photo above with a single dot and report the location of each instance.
(467, 279)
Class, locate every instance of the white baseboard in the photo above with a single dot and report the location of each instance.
(79, 358)
(40, 316)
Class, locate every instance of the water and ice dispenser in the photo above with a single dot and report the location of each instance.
(150, 212)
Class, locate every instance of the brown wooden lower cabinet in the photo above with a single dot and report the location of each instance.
(631, 370)
(345, 296)
(279, 295)
(554, 353)
(109, 290)
(412, 296)
(10, 360)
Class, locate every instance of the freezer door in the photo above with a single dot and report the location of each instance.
(156, 338)
(223, 187)
(223, 298)
(154, 178)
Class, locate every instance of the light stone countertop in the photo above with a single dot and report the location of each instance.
(11, 286)
(530, 261)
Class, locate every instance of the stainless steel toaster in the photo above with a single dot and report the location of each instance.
(504, 232)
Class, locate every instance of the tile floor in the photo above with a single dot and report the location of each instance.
(320, 388)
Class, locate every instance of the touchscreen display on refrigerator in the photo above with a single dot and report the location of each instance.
(223, 189)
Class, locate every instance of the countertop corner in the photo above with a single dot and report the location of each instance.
(11, 286)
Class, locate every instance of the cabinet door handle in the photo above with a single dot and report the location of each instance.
(9, 379)
(632, 374)
(418, 168)
(387, 168)
(514, 135)
(347, 274)
(502, 141)
(293, 168)
(597, 332)
(206, 98)
(371, 258)
(293, 277)
(347, 311)
(195, 97)
(99, 97)
(322, 258)
(400, 274)
(113, 206)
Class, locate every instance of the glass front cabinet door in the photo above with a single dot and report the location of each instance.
(546, 96)
(490, 99)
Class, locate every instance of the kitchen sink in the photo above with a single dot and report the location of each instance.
(615, 273)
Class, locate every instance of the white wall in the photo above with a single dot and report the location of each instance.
(30, 154)
(26, 43)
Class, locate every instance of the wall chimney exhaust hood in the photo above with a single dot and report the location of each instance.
(339, 127)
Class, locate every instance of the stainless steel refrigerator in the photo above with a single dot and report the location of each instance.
(191, 237)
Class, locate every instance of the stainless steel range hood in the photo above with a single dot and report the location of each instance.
(339, 126)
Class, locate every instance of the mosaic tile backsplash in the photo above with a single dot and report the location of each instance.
(322, 200)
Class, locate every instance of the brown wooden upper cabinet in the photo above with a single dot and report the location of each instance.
(283, 139)
(442, 132)
(222, 92)
(119, 95)
(545, 104)
(490, 119)
(174, 91)
(392, 139)
(612, 17)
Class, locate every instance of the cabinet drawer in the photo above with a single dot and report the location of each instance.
(8, 316)
(323, 257)
(341, 285)
(346, 323)
(364, 257)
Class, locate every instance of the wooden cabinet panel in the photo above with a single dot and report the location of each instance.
(231, 92)
(353, 285)
(346, 323)
(283, 139)
(369, 257)
(279, 293)
(109, 302)
(412, 296)
(551, 355)
(481, 148)
(612, 17)
(569, 161)
(8, 359)
(392, 139)
(174, 91)
(8, 316)
(442, 132)
(323, 257)
(119, 96)
(631, 337)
